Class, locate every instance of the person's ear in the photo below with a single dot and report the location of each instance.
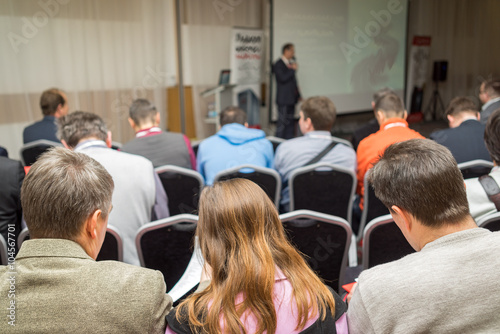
(65, 144)
(157, 118)
(405, 114)
(246, 124)
(132, 123)
(108, 140)
(478, 115)
(402, 218)
(91, 225)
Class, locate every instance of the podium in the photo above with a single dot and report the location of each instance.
(223, 96)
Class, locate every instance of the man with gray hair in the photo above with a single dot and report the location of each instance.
(489, 94)
(450, 285)
(139, 196)
(160, 147)
(55, 285)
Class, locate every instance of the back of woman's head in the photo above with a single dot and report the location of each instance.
(241, 237)
(237, 226)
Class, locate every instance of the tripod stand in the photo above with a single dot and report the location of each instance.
(433, 103)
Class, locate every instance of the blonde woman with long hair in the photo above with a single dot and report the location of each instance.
(258, 282)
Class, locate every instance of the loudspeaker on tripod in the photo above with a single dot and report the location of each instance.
(440, 70)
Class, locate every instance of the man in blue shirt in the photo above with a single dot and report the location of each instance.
(234, 145)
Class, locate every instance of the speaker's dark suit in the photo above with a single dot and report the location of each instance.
(466, 142)
(44, 129)
(287, 95)
(11, 178)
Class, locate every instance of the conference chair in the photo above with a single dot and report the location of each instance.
(167, 245)
(275, 141)
(195, 145)
(323, 239)
(116, 145)
(112, 247)
(490, 222)
(372, 207)
(30, 152)
(268, 179)
(183, 187)
(22, 237)
(475, 168)
(383, 242)
(323, 188)
(3, 251)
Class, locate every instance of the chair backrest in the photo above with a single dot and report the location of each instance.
(112, 247)
(3, 251)
(325, 241)
(383, 242)
(23, 236)
(116, 145)
(30, 152)
(475, 168)
(372, 207)
(183, 187)
(167, 245)
(323, 188)
(268, 179)
(195, 145)
(275, 141)
(490, 222)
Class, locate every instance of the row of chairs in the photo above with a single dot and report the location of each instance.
(167, 244)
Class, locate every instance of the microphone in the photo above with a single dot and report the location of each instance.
(292, 60)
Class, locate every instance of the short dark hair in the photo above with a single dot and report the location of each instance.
(492, 87)
(142, 111)
(50, 100)
(76, 186)
(492, 135)
(461, 104)
(79, 125)
(285, 47)
(421, 177)
(391, 105)
(321, 111)
(382, 92)
(233, 115)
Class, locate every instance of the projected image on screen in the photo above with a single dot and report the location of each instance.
(345, 49)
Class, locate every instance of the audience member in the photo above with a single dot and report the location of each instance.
(139, 196)
(12, 172)
(451, 284)
(55, 285)
(233, 145)
(259, 282)
(391, 115)
(489, 94)
(372, 125)
(162, 148)
(482, 201)
(317, 116)
(3, 152)
(465, 137)
(54, 104)
(287, 92)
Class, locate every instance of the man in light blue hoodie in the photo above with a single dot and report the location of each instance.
(234, 145)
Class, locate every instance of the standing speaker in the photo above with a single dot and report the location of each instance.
(440, 70)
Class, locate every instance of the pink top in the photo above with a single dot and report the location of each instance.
(286, 315)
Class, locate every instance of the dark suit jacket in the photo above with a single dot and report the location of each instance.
(11, 179)
(60, 289)
(287, 91)
(3, 152)
(44, 129)
(488, 111)
(466, 142)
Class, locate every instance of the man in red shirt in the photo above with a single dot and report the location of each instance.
(391, 115)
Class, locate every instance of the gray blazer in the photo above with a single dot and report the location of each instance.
(60, 289)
